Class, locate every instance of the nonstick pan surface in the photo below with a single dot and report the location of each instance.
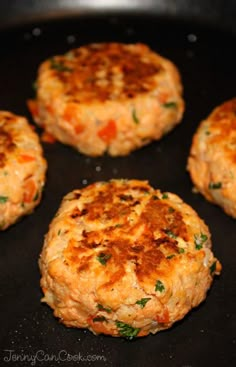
(30, 335)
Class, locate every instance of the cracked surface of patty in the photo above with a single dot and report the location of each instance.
(108, 98)
(120, 255)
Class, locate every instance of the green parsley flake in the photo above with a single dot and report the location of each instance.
(215, 185)
(199, 240)
(59, 66)
(126, 330)
(213, 267)
(170, 104)
(135, 117)
(103, 258)
(181, 250)
(170, 234)
(142, 302)
(99, 319)
(155, 197)
(36, 196)
(159, 286)
(102, 308)
(3, 199)
(170, 257)
(165, 196)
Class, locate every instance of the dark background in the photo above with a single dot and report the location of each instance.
(199, 36)
(219, 12)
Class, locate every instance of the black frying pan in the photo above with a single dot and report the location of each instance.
(205, 54)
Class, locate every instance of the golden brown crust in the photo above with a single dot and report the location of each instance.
(108, 97)
(22, 169)
(212, 160)
(120, 251)
(6, 144)
(91, 72)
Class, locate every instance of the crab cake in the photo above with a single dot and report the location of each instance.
(124, 259)
(212, 160)
(22, 168)
(108, 98)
